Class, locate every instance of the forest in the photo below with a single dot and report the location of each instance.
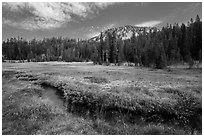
(158, 48)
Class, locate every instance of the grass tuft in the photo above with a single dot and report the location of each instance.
(97, 79)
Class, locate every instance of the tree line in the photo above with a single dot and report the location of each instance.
(157, 48)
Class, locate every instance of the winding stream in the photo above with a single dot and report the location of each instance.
(52, 95)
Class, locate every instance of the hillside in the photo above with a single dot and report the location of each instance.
(124, 32)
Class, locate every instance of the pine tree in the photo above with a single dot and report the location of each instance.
(198, 37)
(100, 49)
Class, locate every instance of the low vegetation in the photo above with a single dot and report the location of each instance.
(111, 102)
(161, 105)
(26, 111)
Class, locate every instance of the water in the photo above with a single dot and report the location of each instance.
(56, 99)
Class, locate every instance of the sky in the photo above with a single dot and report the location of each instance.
(85, 20)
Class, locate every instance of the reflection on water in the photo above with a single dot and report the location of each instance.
(53, 96)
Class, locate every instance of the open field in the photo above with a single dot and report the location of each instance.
(96, 99)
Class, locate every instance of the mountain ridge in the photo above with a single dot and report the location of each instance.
(123, 32)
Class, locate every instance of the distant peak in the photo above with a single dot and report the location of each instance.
(123, 32)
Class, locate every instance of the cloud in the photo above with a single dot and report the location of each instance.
(149, 23)
(47, 15)
(103, 5)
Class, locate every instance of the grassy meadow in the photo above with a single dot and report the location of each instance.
(82, 98)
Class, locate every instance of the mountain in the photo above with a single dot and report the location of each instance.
(123, 33)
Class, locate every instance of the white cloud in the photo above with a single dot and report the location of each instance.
(149, 23)
(14, 6)
(103, 5)
(47, 15)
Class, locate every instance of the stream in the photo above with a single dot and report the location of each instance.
(52, 95)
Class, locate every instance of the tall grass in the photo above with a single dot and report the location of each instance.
(164, 105)
(130, 104)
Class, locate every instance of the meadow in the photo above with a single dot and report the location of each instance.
(82, 98)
